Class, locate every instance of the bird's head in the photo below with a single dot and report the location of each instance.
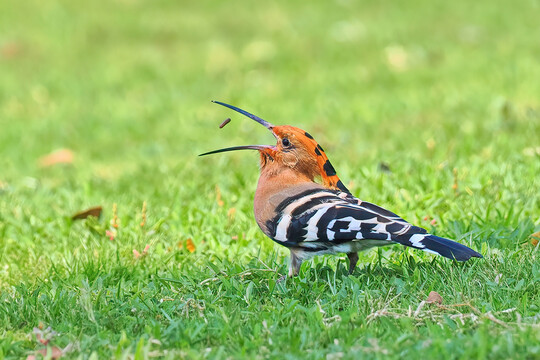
(295, 149)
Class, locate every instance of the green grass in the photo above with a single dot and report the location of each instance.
(126, 85)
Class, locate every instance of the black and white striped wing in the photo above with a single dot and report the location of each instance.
(328, 216)
(336, 223)
(321, 220)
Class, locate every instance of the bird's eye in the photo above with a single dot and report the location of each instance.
(285, 142)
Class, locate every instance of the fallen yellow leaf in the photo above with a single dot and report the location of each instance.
(62, 156)
(190, 245)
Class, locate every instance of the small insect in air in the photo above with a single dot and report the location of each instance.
(227, 120)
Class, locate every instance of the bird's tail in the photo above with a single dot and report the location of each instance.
(438, 245)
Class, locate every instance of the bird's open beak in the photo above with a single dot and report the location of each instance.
(245, 147)
(262, 148)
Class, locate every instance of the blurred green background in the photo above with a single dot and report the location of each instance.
(424, 87)
(127, 82)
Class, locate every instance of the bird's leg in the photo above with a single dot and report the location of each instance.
(294, 266)
(353, 259)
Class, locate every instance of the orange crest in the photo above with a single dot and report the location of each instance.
(307, 149)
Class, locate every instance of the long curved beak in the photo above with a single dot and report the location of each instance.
(244, 147)
(264, 123)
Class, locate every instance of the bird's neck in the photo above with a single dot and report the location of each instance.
(282, 176)
(273, 187)
(276, 179)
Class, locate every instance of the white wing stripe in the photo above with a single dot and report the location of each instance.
(283, 224)
(416, 241)
(312, 228)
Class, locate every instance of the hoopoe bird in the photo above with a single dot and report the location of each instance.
(313, 218)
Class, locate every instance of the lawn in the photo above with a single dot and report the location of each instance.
(430, 109)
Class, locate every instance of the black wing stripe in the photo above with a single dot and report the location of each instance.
(324, 221)
(379, 210)
(394, 227)
(339, 225)
(288, 201)
(313, 202)
(296, 231)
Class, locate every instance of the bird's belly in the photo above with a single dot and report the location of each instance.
(362, 245)
(307, 250)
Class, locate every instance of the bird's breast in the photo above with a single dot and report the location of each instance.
(271, 199)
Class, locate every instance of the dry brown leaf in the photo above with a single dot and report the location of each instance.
(56, 353)
(62, 156)
(535, 238)
(190, 245)
(93, 211)
(434, 297)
